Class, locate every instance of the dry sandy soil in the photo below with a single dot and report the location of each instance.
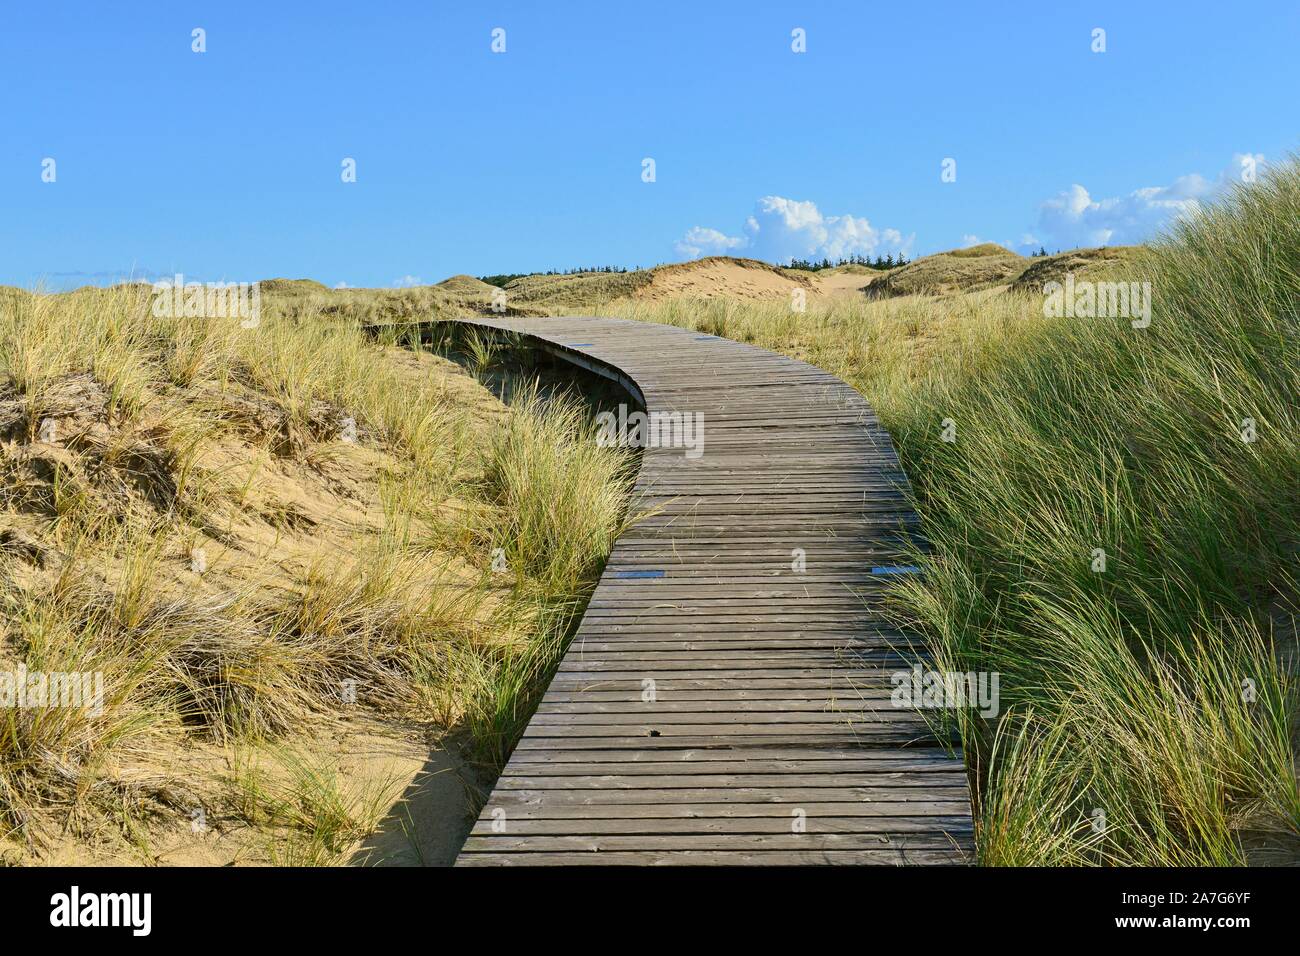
(844, 283)
(295, 512)
(749, 280)
(718, 277)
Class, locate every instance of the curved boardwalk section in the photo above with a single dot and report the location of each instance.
(727, 697)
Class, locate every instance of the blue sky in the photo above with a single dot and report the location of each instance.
(227, 164)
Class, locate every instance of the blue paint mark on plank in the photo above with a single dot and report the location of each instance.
(581, 345)
(639, 574)
(897, 569)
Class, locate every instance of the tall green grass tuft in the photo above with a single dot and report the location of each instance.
(1170, 452)
(561, 495)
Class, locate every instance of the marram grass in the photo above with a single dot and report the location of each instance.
(1147, 717)
(412, 612)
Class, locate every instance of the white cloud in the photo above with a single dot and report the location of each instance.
(1074, 218)
(1028, 241)
(700, 241)
(782, 229)
(406, 282)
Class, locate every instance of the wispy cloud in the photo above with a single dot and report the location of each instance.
(74, 278)
(700, 241)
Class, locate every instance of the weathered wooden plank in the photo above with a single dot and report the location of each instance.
(710, 841)
(734, 739)
(599, 709)
(644, 767)
(840, 779)
(644, 825)
(669, 813)
(947, 857)
(811, 754)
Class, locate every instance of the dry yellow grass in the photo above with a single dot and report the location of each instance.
(1082, 263)
(959, 270)
(261, 537)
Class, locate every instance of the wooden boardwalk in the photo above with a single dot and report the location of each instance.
(726, 699)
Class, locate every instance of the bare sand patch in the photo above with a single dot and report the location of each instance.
(723, 277)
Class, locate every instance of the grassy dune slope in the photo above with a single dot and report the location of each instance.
(1146, 716)
(1081, 263)
(968, 269)
(245, 529)
(548, 292)
(311, 299)
(709, 276)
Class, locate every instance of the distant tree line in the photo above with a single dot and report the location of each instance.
(805, 265)
(880, 262)
(502, 279)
